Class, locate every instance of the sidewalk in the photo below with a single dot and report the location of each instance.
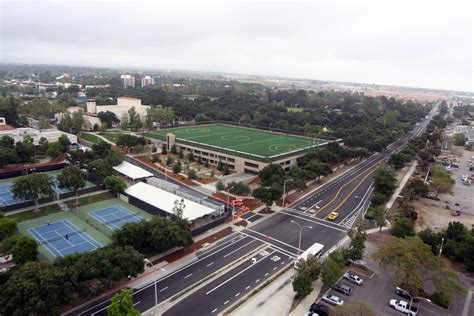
(277, 298)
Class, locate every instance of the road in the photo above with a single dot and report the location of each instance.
(348, 194)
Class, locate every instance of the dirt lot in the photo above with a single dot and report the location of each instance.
(432, 214)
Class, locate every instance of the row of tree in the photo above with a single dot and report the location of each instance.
(40, 289)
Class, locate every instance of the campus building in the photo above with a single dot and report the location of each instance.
(127, 81)
(242, 149)
(148, 81)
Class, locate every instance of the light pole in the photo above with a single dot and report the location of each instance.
(270, 127)
(284, 190)
(301, 231)
(441, 248)
(228, 196)
(417, 297)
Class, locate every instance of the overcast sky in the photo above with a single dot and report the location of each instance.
(409, 43)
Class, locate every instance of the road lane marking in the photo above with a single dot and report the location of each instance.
(362, 201)
(286, 252)
(163, 289)
(318, 221)
(266, 274)
(239, 248)
(210, 264)
(225, 303)
(214, 310)
(248, 287)
(266, 236)
(237, 294)
(188, 276)
(350, 193)
(257, 280)
(274, 268)
(236, 275)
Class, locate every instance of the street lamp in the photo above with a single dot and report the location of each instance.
(301, 231)
(441, 248)
(228, 196)
(417, 297)
(284, 190)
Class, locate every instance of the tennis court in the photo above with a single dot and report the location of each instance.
(62, 238)
(115, 216)
(245, 140)
(6, 196)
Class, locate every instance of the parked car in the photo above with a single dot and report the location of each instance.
(353, 278)
(341, 288)
(319, 309)
(403, 307)
(332, 299)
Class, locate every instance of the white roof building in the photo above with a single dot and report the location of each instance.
(164, 201)
(124, 104)
(131, 171)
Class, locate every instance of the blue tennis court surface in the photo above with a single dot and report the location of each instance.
(6, 196)
(62, 238)
(115, 216)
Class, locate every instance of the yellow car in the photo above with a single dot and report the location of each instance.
(333, 215)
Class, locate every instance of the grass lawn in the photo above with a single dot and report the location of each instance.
(111, 136)
(89, 137)
(237, 139)
(43, 211)
(295, 109)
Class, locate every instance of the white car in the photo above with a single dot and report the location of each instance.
(332, 299)
(353, 278)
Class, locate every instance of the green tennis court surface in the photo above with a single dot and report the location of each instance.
(244, 140)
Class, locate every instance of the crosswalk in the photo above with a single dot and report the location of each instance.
(349, 221)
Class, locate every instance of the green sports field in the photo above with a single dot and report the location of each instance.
(243, 140)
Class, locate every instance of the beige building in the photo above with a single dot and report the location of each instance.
(124, 104)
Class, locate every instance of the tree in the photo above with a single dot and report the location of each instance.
(459, 139)
(177, 167)
(25, 149)
(267, 195)
(239, 188)
(36, 289)
(23, 248)
(130, 140)
(302, 284)
(403, 227)
(220, 165)
(384, 181)
(64, 143)
(101, 168)
(73, 179)
(192, 175)
(108, 118)
(271, 174)
(312, 266)
(8, 226)
(379, 215)
(331, 267)
(114, 184)
(7, 141)
(164, 150)
(32, 187)
(71, 123)
(115, 157)
(191, 156)
(358, 236)
(178, 208)
(122, 304)
(414, 266)
(160, 115)
(42, 146)
(219, 185)
(54, 150)
(357, 308)
(101, 149)
(7, 156)
(442, 181)
(134, 122)
(174, 151)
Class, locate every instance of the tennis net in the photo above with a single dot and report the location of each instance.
(65, 236)
(123, 218)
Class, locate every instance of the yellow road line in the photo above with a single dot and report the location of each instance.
(350, 194)
(342, 187)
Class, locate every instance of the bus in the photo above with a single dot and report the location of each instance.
(315, 250)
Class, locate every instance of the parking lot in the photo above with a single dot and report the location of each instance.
(377, 292)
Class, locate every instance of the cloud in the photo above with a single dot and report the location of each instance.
(409, 43)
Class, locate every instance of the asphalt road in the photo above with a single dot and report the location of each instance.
(347, 194)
